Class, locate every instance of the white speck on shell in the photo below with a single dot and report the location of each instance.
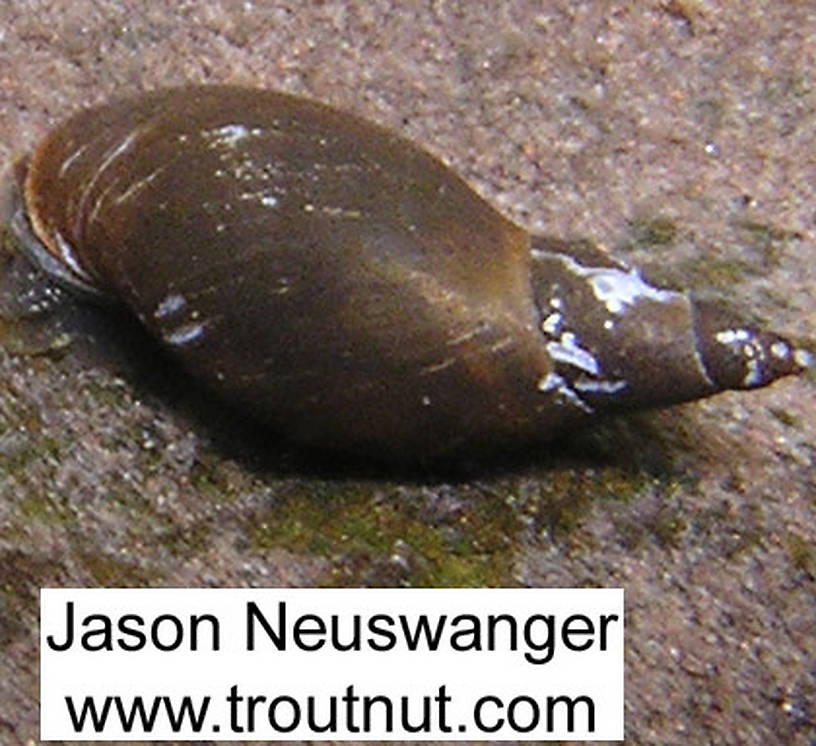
(549, 382)
(567, 350)
(780, 350)
(226, 136)
(436, 367)
(261, 197)
(591, 386)
(554, 382)
(802, 358)
(551, 324)
(185, 334)
(729, 336)
(169, 305)
(754, 375)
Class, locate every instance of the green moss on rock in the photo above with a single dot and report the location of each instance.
(382, 535)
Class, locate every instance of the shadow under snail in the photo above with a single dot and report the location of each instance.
(342, 285)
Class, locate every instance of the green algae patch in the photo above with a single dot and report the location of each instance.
(654, 230)
(109, 571)
(765, 243)
(559, 502)
(377, 534)
(802, 553)
(675, 256)
(45, 507)
(182, 541)
(786, 417)
(665, 528)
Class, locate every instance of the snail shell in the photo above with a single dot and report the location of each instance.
(344, 286)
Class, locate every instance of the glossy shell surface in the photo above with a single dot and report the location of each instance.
(343, 285)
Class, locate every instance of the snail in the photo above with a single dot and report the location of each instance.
(342, 285)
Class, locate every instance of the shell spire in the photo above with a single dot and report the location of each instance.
(619, 342)
(742, 356)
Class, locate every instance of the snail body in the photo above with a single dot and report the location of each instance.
(344, 286)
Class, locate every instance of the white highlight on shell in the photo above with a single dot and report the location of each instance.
(137, 186)
(551, 324)
(436, 367)
(754, 375)
(282, 287)
(71, 159)
(591, 386)
(228, 135)
(730, 336)
(467, 336)
(262, 198)
(110, 156)
(169, 305)
(780, 350)
(100, 200)
(752, 352)
(550, 381)
(341, 212)
(567, 350)
(185, 334)
(802, 358)
(557, 383)
(615, 288)
(501, 344)
(118, 151)
(69, 257)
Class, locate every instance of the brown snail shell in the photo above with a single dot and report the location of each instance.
(344, 286)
